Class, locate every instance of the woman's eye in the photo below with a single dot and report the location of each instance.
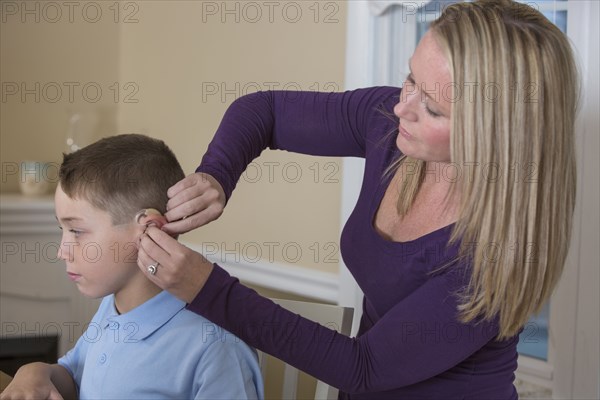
(408, 80)
(75, 232)
(431, 112)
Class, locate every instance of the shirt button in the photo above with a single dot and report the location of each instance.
(102, 358)
(114, 325)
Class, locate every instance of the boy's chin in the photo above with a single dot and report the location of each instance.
(92, 294)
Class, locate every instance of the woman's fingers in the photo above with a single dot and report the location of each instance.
(161, 244)
(186, 202)
(180, 186)
(180, 271)
(193, 220)
(154, 250)
(193, 202)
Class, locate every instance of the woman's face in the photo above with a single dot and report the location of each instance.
(424, 110)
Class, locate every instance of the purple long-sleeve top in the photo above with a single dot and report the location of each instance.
(411, 344)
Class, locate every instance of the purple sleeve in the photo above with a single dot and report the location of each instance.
(417, 339)
(316, 123)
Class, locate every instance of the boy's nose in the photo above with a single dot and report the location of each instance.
(65, 251)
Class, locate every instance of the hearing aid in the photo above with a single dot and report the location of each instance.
(154, 218)
(146, 212)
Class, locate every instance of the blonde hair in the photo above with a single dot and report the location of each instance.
(514, 98)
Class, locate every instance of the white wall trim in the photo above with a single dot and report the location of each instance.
(302, 281)
(358, 74)
(359, 52)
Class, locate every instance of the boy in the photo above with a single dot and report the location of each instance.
(142, 342)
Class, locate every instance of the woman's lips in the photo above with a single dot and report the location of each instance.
(404, 133)
(72, 276)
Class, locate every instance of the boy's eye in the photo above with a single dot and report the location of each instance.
(73, 231)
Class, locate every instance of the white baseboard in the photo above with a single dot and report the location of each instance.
(298, 280)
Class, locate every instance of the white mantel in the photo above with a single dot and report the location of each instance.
(22, 214)
(36, 297)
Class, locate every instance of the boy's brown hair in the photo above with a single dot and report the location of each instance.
(121, 175)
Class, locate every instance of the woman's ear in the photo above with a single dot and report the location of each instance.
(150, 217)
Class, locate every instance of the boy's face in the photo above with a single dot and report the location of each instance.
(100, 257)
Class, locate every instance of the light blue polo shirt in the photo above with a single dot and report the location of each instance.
(161, 350)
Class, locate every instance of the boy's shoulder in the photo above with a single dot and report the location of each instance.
(162, 315)
(201, 328)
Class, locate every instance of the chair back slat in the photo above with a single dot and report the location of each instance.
(332, 316)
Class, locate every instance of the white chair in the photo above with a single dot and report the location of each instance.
(324, 314)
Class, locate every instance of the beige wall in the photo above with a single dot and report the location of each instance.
(177, 66)
(51, 65)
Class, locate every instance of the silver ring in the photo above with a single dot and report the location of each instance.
(152, 268)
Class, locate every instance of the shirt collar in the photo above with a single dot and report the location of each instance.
(146, 318)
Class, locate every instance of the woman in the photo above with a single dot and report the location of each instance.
(462, 225)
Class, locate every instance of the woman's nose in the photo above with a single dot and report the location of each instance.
(405, 108)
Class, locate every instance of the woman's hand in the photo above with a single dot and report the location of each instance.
(180, 271)
(194, 201)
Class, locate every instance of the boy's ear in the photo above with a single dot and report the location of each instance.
(150, 217)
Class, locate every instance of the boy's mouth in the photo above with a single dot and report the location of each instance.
(72, 276)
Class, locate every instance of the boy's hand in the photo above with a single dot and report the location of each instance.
(193, 202)
(32, 381)
(178, 269)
